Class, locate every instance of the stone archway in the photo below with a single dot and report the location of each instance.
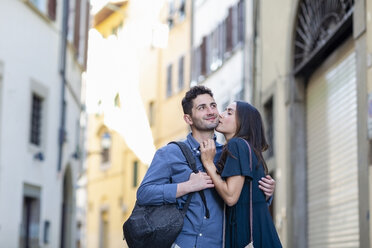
(67, 210)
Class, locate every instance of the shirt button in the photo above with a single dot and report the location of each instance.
(200, 234)
(205, 217)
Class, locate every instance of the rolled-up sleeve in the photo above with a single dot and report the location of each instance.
(156, 187)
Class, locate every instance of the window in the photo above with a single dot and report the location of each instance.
(241, 21)
(196, 66)
(135, 173)
(104, 230)
(114, 30)
(222, 40)
(171, 7)
(151, 114)
(1, 89)
(182, 9)
(171, 11)
(269, 127)
(36, 120)
(169, 81)
(208, 50)
(224, 106)
(105, 146)
(239, 95)
(181, 80)
(46, 7)
(117, 100)
(229, 30)
(30, 225)
(235, 23)
(77, 153)
(46, 232)
(203, 51)
(232, 28)
(216, 60)
(77, 25)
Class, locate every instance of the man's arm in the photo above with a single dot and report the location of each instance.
(195, 183)
(267, 185)
(156, 187)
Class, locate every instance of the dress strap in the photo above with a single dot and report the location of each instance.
(250, 195)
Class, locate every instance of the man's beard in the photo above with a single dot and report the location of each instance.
(202, 126)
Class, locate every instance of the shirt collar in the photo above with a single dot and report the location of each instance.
(195, 144)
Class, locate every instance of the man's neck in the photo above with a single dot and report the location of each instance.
(200, 136)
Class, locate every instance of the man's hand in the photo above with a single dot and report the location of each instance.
(195, 183)
(267, 185)
(199, 181)
(208, 151)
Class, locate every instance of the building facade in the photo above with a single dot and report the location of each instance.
(174, 73)
(218, 48)
(151, 59)
(42, 57)
(112, 169)
(313, 81)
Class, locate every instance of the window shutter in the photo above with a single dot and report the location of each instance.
(181, 73)
(169, 81)
(215, 50)
(52, 5)
(204, 56)
(209, 53)
(235, 24)
(77, 25)
(193, 65)
(198, 64)
(241, 21)
(87, 18)
(229, 31)
(222, 41)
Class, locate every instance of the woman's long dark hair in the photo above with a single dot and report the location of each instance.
(250, 128)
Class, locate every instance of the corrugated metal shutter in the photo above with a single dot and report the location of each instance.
(332, 156)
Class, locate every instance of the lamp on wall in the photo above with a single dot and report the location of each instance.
(46, 231)
(39, 156)
(76, 155)
(106, 141)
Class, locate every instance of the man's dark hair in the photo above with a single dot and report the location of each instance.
(191, 95)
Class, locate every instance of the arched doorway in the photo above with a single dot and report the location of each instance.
(324, 70)
(67, 210)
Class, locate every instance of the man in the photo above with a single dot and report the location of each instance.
(169, 179)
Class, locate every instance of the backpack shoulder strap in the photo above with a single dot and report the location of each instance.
(187, 153)
(192, 164)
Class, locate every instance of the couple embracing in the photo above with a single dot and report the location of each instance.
(234, 177)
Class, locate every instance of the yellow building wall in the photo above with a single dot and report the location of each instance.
(112, 189)
(113, 21)
(171, 125)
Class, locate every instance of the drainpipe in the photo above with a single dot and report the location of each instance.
(254, 66)
(245, 52)
(62, 71)
(191, 39)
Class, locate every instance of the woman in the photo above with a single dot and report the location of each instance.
(241, 123)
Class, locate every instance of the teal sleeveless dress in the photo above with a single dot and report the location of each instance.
(237, 229)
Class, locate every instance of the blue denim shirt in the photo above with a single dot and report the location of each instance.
(168, 168)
